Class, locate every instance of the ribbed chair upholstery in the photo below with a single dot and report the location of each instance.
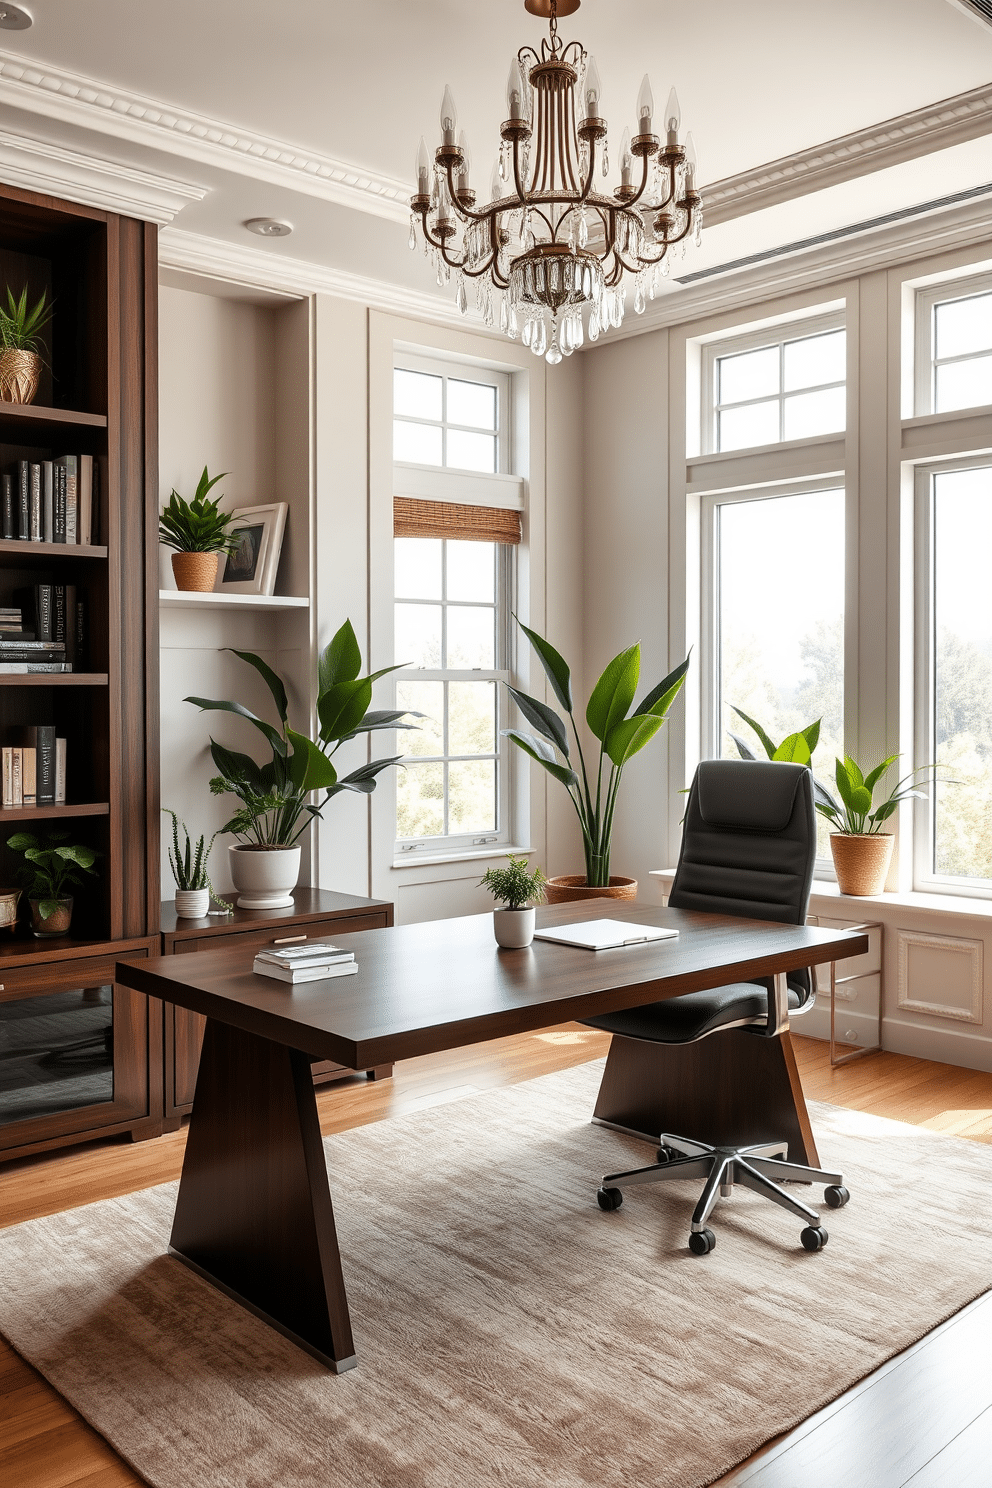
(748, 849)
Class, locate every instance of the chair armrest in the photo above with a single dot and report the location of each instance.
(778, 1006)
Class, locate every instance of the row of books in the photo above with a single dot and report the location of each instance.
(45, 631)
(34, 768)
(315, 962)
(53, 501)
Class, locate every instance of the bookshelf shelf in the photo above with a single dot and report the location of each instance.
(175, 599)
(31, 551)
(53, 679)
(29, 422)
(9, 814)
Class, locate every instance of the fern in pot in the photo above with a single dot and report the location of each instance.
(189, 869)
(199, 532)
(517, 891)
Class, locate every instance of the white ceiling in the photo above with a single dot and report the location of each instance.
(358, 84)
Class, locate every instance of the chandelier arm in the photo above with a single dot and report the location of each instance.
(517, 180)
(587, 184)
(632, 202)
(458, 206)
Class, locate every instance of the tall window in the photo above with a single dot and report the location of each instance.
(954, 347)
(955, 681)
(774, 583)
(450, 417)
(763, 389)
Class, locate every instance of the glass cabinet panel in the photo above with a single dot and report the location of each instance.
(56, 1053)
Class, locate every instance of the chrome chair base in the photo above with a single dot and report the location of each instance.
(762, 1167)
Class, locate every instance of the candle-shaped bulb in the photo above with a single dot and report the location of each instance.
(515, 92)
(594, 89)
(449, 117)
(645, 107)
(673, 118)
(691, 164)
(626, 159)
(423, 169)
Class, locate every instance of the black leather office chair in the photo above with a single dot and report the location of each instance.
(748, 849)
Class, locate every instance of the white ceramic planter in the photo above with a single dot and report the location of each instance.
(264, 877)
(514, 928)
(192, 904)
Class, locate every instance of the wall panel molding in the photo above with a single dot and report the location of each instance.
(929, 961)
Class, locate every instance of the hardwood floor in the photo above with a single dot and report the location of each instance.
(924, 1419)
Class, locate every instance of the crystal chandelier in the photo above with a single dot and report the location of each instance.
(552, 246)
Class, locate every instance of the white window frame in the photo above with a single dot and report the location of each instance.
(925, 367)
(924, 816)
(461, 372)
(777, 335)
(711, 725)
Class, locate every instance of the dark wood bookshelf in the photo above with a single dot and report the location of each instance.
(99, 396)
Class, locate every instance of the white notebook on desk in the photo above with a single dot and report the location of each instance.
(605, 935)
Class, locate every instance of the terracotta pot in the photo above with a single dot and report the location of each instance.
(861, 861)
(264, 877)
(20, 373)
(45, 927)
(195, 572)
(573, 886)
(514, 928)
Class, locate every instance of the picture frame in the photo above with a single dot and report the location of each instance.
(252, 568)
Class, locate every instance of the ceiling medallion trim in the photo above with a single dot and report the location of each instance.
(92, 104)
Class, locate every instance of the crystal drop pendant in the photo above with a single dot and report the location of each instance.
(553, 353)
(528, 333)
(639, 297)
(461, 298)
(606, 160)
(594, 325)
(583, 228)
(539, 342)
(413, 233)
(504, 317)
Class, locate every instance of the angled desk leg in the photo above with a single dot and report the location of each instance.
(254, 1209)
(731, 1089)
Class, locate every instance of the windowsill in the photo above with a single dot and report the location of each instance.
(465, 855)
(823, 889)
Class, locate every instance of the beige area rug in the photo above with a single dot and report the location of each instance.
(508, 1332)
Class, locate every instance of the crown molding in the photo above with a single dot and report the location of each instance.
(255, 268)
(40, 166)
(938, 126)
(72, 98)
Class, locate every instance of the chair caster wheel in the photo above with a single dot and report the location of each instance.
(701, 1242)
(814, 1237)
(609, 1198)
(836, 1196)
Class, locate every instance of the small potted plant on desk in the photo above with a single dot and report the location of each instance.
(517, 891)
(199, 531)
(51, 865)
(189, 869)
(21, 326)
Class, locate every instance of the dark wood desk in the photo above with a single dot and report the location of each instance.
(254, 1209)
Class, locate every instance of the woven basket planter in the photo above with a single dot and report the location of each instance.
(20, 373)
(573, 886)
(861, 861)
(195, 572)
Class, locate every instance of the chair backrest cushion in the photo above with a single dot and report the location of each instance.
(749, 843)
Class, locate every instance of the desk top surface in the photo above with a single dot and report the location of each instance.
(444, 983)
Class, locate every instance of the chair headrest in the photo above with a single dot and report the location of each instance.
(749, 795)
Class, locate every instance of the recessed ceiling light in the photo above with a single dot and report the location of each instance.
(13, 18)
(269, 227)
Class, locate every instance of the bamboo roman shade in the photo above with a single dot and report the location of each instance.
(413, 518)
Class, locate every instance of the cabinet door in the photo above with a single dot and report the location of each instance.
(73, 1055)
(184, 1030)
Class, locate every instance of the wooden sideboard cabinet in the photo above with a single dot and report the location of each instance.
(317, 914)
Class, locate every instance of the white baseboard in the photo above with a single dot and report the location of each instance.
(968, 1050)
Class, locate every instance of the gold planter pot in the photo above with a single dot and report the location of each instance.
(195, 572)
(20, 373)
(572, 886)
(861, 860)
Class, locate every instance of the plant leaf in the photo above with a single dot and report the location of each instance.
(812, 735)
(874, 776)
(660, 698)
(767, 744)
(342, 707)
(630, 735)
(272, 680)
(340, 660)
(543, 754)
(544, 719)
(614, 692)
(273, 735)
(309, 767)
(744, 750)
(364, 778)
(555, 666)
(793, 749)
(238, 768)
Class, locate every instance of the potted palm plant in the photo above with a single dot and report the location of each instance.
(51, 865)
(861, 850)
(620, 733)
(517, 891)
(199, 532)
(189, 869)
(276, 806)
(21, 327)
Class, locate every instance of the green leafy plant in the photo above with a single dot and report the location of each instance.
(854, 815)
(275, 806)
(52, 866)
(796, 749)
(197, 526)
(21, 324)
(189, 863)
(621, 735)
(514, 887)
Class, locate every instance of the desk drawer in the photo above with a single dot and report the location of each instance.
(294, 933)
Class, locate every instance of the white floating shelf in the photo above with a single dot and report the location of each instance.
(175, 599)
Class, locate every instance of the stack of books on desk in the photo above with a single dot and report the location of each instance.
(306, 963)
